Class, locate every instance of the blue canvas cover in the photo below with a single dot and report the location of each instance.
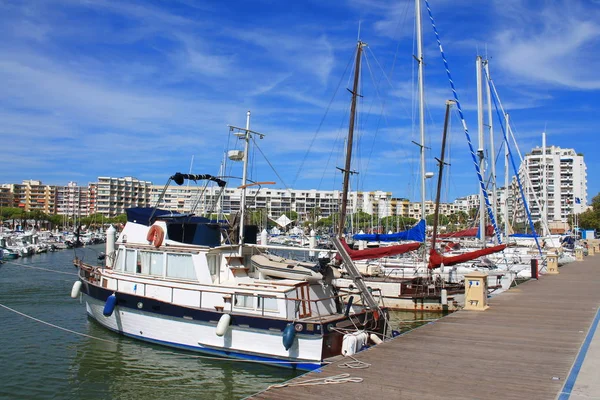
(141, 215)
(523, 235)
(416, 233)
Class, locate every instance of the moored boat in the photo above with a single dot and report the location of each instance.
(188, 282)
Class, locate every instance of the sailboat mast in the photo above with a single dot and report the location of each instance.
(544, 187)
(346, 170)
(478, 64)
(491, 131)
(244, 177)
(421, 88)
(441, 168)
(506, 182)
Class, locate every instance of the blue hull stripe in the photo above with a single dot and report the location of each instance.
(301, 365)
(570, 382)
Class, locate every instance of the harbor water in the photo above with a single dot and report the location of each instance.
(51, 350)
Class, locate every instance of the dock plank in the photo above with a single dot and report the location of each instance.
(523, 347)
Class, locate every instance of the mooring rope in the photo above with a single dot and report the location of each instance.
(54, 325)
(354, 364)
(40, 268)
(336, 379)
(217, 358)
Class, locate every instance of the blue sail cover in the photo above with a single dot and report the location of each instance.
(141, 215)
(523, 235)
(416, 233)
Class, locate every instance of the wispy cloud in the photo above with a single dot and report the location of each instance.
(553, 46)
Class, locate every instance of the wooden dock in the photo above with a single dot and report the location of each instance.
(522, 347)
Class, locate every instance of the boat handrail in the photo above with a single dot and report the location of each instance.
(144, 285)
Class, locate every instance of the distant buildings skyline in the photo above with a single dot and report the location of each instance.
(562, 172)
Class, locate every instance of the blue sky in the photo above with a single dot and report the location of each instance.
(120, 88)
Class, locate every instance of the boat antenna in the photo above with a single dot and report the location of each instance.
(244, 134)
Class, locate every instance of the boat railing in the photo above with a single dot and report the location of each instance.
(91, 274)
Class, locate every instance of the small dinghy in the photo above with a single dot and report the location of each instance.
(284, 268)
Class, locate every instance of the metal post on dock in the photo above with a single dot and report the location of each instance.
(534, 269)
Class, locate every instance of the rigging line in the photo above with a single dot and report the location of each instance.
(40, 268)
(312, 141)
(512, 161)
(386, 78)
(55, 326)
(381, 115)
(338, 138)
(466, 130)
(269, 162)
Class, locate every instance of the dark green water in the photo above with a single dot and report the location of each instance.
(40, 361)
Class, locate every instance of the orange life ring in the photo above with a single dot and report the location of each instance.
(156, 235)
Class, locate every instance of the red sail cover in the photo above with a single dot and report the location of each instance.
(436, 259)
(379, 251)
(471, 232)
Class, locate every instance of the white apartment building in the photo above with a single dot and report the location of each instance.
(565, 182)
(72, 200)
(115, 195)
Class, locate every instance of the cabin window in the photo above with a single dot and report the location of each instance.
(213, 264)
(152, 263)
(267, 303)
(180, 266)
(130, 261)
(244, 301)
(118, 265)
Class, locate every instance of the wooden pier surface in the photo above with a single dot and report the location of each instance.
(522, 347)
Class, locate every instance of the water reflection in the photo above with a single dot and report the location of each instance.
(127, 368)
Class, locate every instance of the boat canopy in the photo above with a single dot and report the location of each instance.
(523, 235)
(471, 232)
(142, 215)
(416, 233)
(379, 251)
(436, 259)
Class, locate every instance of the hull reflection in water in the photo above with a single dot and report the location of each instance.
(128, 369)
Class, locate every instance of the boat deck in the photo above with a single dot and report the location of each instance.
(522, 347)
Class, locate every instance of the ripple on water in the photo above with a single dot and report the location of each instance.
(41, 362)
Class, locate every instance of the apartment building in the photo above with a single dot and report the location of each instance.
(562, 173)
(114, 195)
(32, 195)
(73, 200)
(6, 196)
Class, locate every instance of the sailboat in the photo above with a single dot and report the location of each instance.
(185, 281)
(410, 292)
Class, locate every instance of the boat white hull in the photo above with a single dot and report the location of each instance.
(258, 344)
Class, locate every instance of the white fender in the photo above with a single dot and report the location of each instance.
(76, 289)
(223, 324)
(375, 339)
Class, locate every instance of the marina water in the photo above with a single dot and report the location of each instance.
(50, 349)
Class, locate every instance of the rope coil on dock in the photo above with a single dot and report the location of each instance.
(341, 378)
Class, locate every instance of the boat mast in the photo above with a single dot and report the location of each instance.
(244, 176)
(491, 130)
(506, 181)
(346, 171)
(244, 134)
(441, 168)
(421, 88)
(478, 64)
(544, 188)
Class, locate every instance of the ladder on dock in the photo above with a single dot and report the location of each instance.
(356, 276)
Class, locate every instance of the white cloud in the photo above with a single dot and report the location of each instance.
(552, 45)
